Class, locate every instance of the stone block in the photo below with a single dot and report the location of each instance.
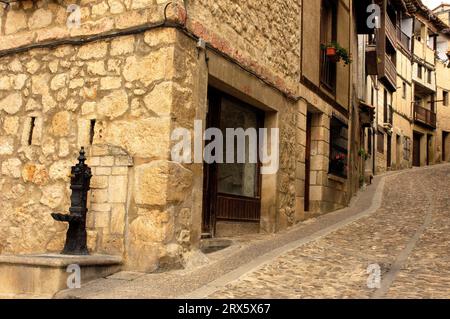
(110, 83)
(118, 219)
(99, 182)
(113, 105)
(40, 18)
(120, 171)
(103, 171)
(122, 45)
(12, 103)
(96, 50)
(6, 145)
(12, 167)
(102, 220)
(147, 138)
(161, 182)
(160, 62)
(100, 207)
(99, 196)
(61, 123)
(107, 161)
(118, 186)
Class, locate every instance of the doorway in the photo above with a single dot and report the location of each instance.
(444, 144)
(308, 161)
(232, 191)
(416, 149)
(429, 148)
(398, 151)
(389, 152)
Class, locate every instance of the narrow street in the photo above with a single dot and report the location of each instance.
(408, 237)
(406, 234)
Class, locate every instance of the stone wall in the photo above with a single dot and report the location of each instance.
(39, 21)
(117, 94)
(263, 35)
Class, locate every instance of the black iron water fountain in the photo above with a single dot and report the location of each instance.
(76, 238)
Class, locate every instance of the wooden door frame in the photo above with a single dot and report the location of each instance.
(210, 190)
(416, 150)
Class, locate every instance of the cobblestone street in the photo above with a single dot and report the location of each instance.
(408, 237)
(404, 231)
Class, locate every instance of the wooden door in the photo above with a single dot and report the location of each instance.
(308, 161)
(232, 191)
(416, 150)
(389, 151)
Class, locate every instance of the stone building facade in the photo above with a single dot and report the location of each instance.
(408, 89)
(130, 74)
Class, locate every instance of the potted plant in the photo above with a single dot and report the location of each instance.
(363, 154)
(338, 163)
(337, 53)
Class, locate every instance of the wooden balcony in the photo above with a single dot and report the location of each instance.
(387, 72)
(424, 116)
(391, 31)
(404, 40)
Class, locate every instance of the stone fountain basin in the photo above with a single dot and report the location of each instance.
(42, 276)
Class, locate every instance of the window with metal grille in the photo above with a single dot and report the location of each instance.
(338, 148)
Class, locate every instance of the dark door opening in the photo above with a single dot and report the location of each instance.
(429, 141)
(389, 151)
(444, 144)
(232, 191)
(416, 149)
(308, 161)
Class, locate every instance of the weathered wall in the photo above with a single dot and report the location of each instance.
(127, 85)
(311, 48)
(41, 21)
(443, 112)
(262, 35)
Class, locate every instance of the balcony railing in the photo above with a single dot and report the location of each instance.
(391, 70)
(327, 71)
(404, 39)
(424, 116)
(391, 30)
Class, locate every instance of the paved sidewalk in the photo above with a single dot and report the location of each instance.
(323, 257)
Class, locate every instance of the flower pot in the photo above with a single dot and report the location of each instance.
(331, 51)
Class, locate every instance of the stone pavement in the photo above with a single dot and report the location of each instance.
(401, 224)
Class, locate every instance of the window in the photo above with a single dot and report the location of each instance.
(430, 74)
(328, 33)
(380, 142)
(404, 91)
(419, 71)
(445, 98)
(338, 148)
